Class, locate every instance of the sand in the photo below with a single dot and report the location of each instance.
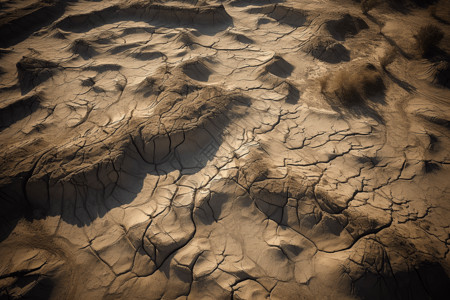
(236, 149)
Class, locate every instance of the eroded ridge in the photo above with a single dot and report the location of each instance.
(222, 149)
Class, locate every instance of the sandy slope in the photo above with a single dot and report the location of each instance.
(196, 149)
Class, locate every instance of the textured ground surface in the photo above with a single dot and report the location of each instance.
(196, 149)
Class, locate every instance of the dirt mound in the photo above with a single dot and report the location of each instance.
(279, 67)
(197, 70)
(345, 27)
(243, 3)
(327, 50)
(283, 14)
(432, 114)
(83, 48)
(214, 16)
(354, 85)
(34, 71)
(241, 38)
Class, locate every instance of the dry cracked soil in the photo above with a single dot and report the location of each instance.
(235, 149)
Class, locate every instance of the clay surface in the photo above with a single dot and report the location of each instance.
(238, 149)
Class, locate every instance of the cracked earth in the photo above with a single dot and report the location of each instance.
(190, 149)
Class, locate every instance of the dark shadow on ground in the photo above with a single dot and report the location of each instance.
(406, 6)
(396, 46)
(245, 3)
(18, 110)
(425, 281)
(441, 61)
(403, 84)
(19, 24)
(42, 289)
(359, 110)
(293, 95)
(360, 105)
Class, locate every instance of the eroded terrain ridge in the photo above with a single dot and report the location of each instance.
(209, 150)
